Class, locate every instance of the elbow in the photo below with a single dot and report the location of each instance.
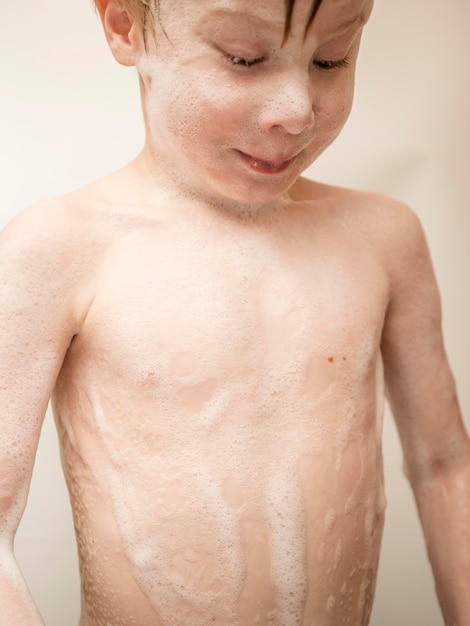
(446, 466)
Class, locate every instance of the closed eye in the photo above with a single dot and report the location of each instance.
(332, 65)
(236, 60)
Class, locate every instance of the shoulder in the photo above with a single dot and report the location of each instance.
(73, 225)
(49, 250)
(376, 217)
(393, 229)
(40, 229)
(363, 202)
(390, 222)
(52, 232)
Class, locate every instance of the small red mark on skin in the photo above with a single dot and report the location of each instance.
(330, 359)
(151, 379)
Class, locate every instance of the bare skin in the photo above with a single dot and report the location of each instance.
(230, 472)
(217, 348)
(223, 456)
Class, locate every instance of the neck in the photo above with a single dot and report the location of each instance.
(175, 189)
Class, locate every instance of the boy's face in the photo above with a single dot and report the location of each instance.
(233, 113)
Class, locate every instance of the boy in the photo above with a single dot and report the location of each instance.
(215, 335)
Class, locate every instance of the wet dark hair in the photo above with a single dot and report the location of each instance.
(139, 9)
(290, 9)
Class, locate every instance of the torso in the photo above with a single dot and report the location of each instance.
(220, 419)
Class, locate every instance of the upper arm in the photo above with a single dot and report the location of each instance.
(419, 381)
(36, 326)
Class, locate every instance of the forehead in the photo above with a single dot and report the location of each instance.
(345, 8)
(331, 14)
(272, 12)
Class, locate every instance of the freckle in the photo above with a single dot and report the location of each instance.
(344, 358)
(330, 359)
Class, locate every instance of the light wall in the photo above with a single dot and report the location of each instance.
(69, 114)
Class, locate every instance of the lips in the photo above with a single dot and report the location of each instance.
(264, 166)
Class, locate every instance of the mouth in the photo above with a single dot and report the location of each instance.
(264, 166)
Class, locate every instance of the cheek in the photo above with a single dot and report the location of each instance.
(334, 108)
(205, 110)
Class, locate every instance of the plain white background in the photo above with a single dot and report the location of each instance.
(69, 114)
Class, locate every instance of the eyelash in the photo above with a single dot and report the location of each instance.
(326, 66)
(247, 63)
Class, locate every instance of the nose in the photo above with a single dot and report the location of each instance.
(288, 105)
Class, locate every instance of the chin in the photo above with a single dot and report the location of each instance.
(255, 192)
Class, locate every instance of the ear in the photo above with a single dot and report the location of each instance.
(121, 31)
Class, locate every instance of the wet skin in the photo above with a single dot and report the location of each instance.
(218, 410)
(220, 416)
(213, 336)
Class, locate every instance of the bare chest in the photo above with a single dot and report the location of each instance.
(189, 313)
(211, 381)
